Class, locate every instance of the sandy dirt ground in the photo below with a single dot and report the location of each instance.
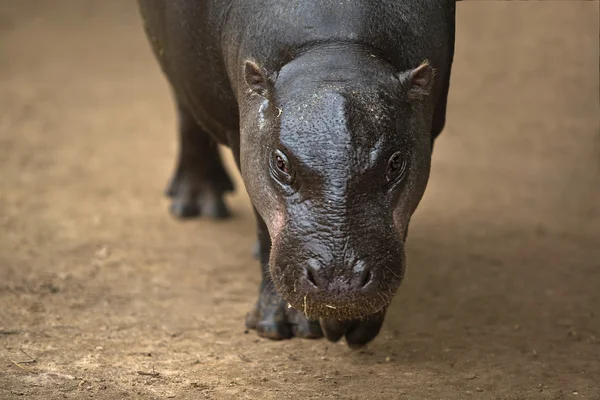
(103, 295)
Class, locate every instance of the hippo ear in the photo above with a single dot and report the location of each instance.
(256, 78)
(418, 81)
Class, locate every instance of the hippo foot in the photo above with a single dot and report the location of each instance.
(273, 319)
(190, 202)
(358, 333)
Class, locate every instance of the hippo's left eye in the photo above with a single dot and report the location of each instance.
(281, 164)
(280, 167)
(396, 168)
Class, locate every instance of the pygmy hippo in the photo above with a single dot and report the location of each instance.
(330, 109)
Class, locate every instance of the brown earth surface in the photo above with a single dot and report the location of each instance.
(103, 295)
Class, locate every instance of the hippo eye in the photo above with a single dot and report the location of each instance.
(280, 167)
(281, 164)
(396, 168)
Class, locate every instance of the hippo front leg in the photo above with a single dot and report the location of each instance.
(272, 317)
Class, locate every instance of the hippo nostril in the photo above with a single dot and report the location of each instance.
(367, 276)
(310, 277)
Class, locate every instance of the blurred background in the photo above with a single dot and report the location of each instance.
(104, 295)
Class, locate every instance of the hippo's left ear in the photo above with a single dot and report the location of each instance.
(256, 78)
(418, 81)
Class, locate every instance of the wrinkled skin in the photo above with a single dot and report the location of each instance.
(330, 112)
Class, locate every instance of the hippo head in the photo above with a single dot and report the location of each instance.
(335, 156)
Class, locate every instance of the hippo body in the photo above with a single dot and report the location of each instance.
(330, 109)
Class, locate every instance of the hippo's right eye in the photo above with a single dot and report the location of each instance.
(280, 168)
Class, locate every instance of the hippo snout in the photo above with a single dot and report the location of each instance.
(336, 286)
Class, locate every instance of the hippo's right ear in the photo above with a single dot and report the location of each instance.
(418, 81)
(256, 79)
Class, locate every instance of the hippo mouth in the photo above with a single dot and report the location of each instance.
(332, 306)
(314, 310)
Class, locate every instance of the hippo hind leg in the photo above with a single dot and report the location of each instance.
(200, 180)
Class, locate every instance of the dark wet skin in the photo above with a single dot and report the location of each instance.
(330, 113)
